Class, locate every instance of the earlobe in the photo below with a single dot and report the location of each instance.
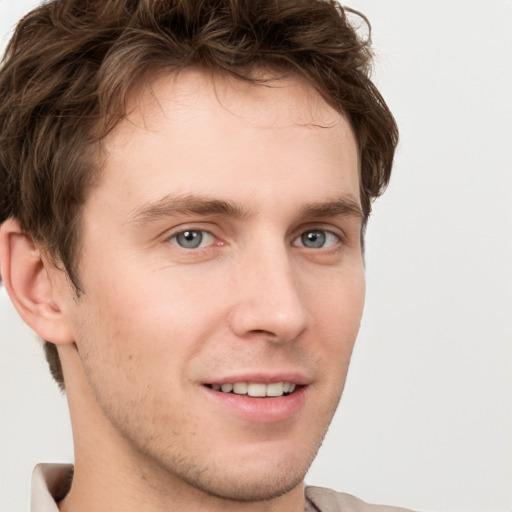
(27, 280)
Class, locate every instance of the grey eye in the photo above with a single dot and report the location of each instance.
(313, 239)
(192, 239)
(317, 239)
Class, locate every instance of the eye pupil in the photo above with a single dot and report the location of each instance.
(313, 239)
(189, 239)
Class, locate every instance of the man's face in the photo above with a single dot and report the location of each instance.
(222, 247)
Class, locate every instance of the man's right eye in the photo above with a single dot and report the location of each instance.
(192, 239)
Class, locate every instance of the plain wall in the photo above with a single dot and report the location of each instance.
(426, 417)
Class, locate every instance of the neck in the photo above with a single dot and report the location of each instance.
(102, 495)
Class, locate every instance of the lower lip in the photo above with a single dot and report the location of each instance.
(260, 410)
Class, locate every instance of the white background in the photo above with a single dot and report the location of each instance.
(426, 418)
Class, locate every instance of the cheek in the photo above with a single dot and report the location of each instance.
(337, 300)
(144, 328)
(336, 316)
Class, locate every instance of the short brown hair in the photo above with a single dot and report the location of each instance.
(71, 65)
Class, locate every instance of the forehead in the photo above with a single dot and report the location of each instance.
(273, 100)
(198, 132)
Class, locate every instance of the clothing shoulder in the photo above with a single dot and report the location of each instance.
(327, 500)
(50, 483)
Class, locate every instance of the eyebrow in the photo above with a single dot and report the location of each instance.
(189, 204)
(346, 206)
(170, 205)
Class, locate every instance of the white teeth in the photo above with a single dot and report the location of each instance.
(275, 389)
(240, 388)
(256, 389)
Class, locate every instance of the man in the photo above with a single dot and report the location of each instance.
(187, 187)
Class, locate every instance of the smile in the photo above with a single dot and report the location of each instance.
(255, 389)
(260, 399)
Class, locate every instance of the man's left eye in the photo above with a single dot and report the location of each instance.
(192, 239)
(317, 239)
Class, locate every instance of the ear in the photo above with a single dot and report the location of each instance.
(26, 276)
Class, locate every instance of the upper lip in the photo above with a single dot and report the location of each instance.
(294, 377)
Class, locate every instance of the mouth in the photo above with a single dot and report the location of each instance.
(259, 399)
(255, 389)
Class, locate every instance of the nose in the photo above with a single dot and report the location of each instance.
(269, 302)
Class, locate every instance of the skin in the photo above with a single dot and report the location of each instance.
(158, 321)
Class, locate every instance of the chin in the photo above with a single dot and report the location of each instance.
(262, 476)
(247, 488)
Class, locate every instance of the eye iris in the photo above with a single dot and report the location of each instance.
(189, 239)
(313, 239)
